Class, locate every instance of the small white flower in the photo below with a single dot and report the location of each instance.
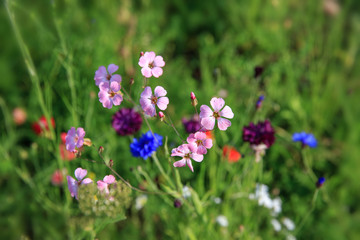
(140, 201)
(222, 221)
(186, 192)
(288, 223)
(217, 200)
(290, 237)
(276, 206)
(276, 224)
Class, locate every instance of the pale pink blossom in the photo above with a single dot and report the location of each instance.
(104, 184)
(148, 100)
(151, 65)
(101, 75)
(201, 141)
(73, 184)
(187, 152)
(220, 113)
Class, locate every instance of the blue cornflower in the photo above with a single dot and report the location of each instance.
(320, 182)
(145, 145)
(305, 138)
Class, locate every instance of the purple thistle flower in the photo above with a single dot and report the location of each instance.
(109, 94)
(126, 121)
(192, 125)
(259, 133)
(101, 75)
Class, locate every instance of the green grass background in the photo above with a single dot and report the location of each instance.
(51, 49)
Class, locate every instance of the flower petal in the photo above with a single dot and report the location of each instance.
(80, 132)
(143, 61)
(190, 165)
(72, 186)
(112, 68)
(159, 61)
(208, 123)
(160, 92)
(109, 179)
(191, 138)
(208, 143)
(217, 104)
(200, 135)
(180, 163)
(150, 110)
(150, 56)
(86, 181)
(116, 78)
(197, 157)
(227, 112)
(117, 99)
(114, 86)
(162, 103)
(146, 72)
(205, 111)
(157, 72)
(104, 86)
(223, 124)
(201, 150)
(146, 93)
(80, 173)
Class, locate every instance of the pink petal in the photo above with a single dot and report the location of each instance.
(227, 112)
(80, 132)
(191, 138)
(146, 72)
(205, 111)
(217, 104)
(160, 92)
(104, 86)
(143, 61)
(145, 103)
(115, 78)
(150, 110)
(192, 147)
(201, 150)
(223, 124)
(80, 143)
(150, 56)
(112, 68)
(162, 103)
(115, 86)
(208, 143)
(146, 93)
(86, 181)
(109, 179)
(177, 152)
(190, 165)
(107, 103)
(72, 186)
(117, 99)
(197, 157)
(208, 123)
(180, 163)
(101, 185)
(200, 135)
(70, 134)
(159, 61)
(100, 75)
(80, 173)
(157, 72)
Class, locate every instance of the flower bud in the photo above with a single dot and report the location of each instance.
(101, 150)
(161, 116)
(132, 81)
(192, 96)
(177, 203)
(111, 163)
(194, 101)
(19, 116)
(141, 54)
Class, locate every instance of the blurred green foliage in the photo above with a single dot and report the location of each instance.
(310, 80)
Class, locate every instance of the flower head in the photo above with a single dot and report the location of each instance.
(222, 220)
(231, 154)
(65, 154)
(187, 152)
(110, 94)
(151, 65)
(201, 141)
(74, 139)
(73, 184)
(146, 145)
(259, 133)
(101, 75)
(192, 125)
(103, 185)
(148, 100)
(288, 223)
(126, 121)
(307, 139)
(276, 224)
(208, 116)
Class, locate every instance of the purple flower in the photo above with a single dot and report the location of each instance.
(151, 65)
(261, 133)
(101, 75)
(192, 125)
(307, 139)
(73, 184)
(148, 100)
(109, 94)
(208, 116)
(74, 139)
(126, 121)
(187, 152)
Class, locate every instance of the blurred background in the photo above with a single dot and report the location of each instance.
(307, 58)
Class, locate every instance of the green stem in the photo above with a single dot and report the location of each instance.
(156, 160)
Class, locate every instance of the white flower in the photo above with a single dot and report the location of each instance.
(276, 224)
(288, 223)
(276, 206)
(217, 200)
(290, 237)
(140, 201)
(222, 221)
(186, 192)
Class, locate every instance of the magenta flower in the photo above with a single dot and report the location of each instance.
(104, 184)
(148, 101)
(110, 94)
(187, 152)
(73, 184)
(201, 141)
(208, 117)
(101, 75)
(74, 139)
(151, 65)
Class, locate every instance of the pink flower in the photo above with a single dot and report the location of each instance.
(201, 141)
(73, 185)
(104, 184)
(109, 94)
(148, 101)
(101, 75)
(208, 117)
(187, 152)
(151, 65)
(74, 139)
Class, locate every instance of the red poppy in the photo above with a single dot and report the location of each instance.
(42, 125)
(231, 154)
